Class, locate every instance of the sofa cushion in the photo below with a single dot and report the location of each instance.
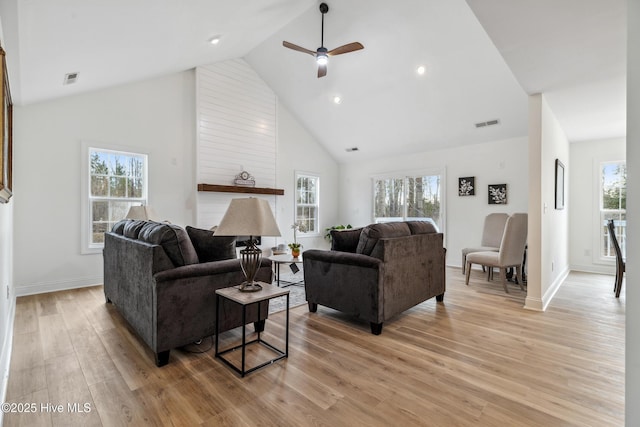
(211, 248)
(422, 227)
(372, 233)
(132, 228)
(173, 239)
(345, 240)
(118, 227)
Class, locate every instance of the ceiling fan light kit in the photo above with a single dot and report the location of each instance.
(322, 54)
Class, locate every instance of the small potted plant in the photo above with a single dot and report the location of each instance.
(295, 246)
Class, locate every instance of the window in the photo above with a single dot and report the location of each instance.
(613, 205)
(117, 180)
(408, 198)
(308, 202)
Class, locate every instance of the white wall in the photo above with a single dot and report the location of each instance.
(154, 116)
(548, 227)
(632, 345)
(299, 151)
(495, 162)
(7, 303)
(584, 216)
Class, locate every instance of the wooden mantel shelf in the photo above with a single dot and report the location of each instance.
(239, 189)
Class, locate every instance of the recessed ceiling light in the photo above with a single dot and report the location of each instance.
(214, 40)
(421, 70)
(337, 100)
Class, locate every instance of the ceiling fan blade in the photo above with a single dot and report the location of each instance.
(345, 49)
(322, 70)
(298, 48)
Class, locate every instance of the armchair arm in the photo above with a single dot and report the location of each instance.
(213, 268)
(345, 281)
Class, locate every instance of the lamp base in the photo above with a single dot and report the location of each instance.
(250, 287)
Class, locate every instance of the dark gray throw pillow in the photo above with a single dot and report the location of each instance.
(345, 240)
(173, 239)
(211, 248)
(374, 232)
(132, 228)
(118, 227)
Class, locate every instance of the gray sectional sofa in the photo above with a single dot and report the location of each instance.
(378, 271)
(162, 278)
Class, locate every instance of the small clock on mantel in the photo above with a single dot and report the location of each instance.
(245, 179)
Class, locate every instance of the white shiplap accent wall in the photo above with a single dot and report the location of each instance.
(236, 130)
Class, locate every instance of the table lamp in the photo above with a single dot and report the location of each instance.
(142, 212)
(249, 217)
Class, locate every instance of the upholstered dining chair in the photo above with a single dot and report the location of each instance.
(510, 253)
(491, 236)
(620, 262)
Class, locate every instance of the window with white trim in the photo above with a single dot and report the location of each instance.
(613, 205)
(415, 197)
(307, 202)
(117, 180)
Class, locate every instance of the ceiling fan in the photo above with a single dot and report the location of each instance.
(322, 54)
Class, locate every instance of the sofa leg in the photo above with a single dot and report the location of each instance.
(162, 358)
(106, 299)
(259, 325)
(376, 328)
(440, 297)
(313, 307)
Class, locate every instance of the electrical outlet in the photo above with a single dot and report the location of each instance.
(587, 252)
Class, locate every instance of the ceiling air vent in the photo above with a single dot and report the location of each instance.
(70, 78)
(351, 149)
(488, 123)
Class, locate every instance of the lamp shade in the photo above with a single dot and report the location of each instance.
(248, 217)
(142, 212)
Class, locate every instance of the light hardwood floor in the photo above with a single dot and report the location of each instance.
(478, 359)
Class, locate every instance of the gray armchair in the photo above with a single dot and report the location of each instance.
(491, 236)
(511, 251)
(377, 271)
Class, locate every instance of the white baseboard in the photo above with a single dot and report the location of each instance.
(59, 285)
(541, 304)
(598, 269)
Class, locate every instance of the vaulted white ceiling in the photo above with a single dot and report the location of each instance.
(482, 58)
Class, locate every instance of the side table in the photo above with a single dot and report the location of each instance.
(278, 260)
(245, 299)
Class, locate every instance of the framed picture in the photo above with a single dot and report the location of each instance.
(498, 194)
(559, 184)
(467, 186)
(6, 139)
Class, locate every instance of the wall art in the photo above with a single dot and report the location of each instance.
(498, 194)
(6, 139)
(559, 184)
(467, 186)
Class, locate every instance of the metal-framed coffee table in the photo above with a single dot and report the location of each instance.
(278, 260)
